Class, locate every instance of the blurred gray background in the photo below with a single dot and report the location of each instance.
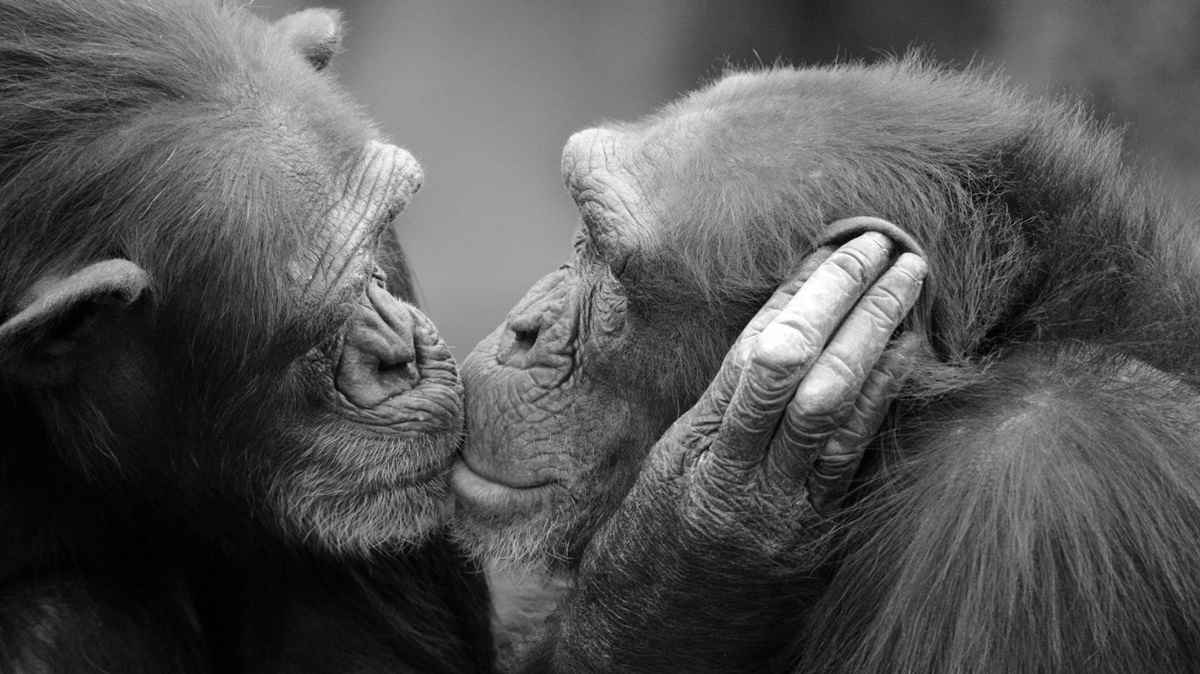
(485, 94)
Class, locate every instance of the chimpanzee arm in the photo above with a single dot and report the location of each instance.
(716, 553)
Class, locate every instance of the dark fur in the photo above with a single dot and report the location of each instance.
(120, 135)
(1043, 519)
(1035, 502)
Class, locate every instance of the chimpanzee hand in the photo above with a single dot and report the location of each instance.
(725, 524)
(773, 444)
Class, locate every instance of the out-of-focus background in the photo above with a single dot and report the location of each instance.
(485, 92)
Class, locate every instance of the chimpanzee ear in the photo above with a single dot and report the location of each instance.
(838, 232)
(315, 33)
(920, 318)
(59, 316)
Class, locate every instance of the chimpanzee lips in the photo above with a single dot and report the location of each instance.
(486, 493)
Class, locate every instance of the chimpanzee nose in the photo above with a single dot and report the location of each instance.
(520, 335)
(378, 358)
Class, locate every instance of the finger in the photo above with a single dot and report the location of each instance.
(792, 341)
(716, 398)
(786, 291)
(838, 461)
(825, 399)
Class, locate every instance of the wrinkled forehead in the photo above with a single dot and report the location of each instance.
(734, 155)
(712, 134)
(745, 130)
(365, 202)
(628, 149)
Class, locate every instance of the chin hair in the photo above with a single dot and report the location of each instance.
(536, 543)
(367, 522)
(348, 495)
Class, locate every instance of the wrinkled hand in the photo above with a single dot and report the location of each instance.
(722, 533)
(775, 441)
(772, 446)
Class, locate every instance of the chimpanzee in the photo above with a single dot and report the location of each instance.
(1032, 503)
(228, 429)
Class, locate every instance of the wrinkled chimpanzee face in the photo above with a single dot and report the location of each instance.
(231, 327)
(370, 441)
(366, 415)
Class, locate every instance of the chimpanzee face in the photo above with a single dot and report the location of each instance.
(205, 300)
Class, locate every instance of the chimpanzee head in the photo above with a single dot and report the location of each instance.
(203, 304)
(690, 218)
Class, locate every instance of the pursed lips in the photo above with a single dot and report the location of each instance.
(486, 492)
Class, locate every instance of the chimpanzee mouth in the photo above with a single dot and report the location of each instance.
(484, 492)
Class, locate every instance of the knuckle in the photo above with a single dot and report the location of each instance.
(856, 426)
(829, 388)
(741, 423)
(697, 425)
(812, 413)
(885, 305)
(851, 263)
(856, 431)
(832, 467)
(837, 374)
(844, 450)
(781, 347)
(754, 406)
(880, 386)
(794, 443)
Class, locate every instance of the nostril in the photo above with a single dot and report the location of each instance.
(524, 338)
(396, 359)
(517, 340)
